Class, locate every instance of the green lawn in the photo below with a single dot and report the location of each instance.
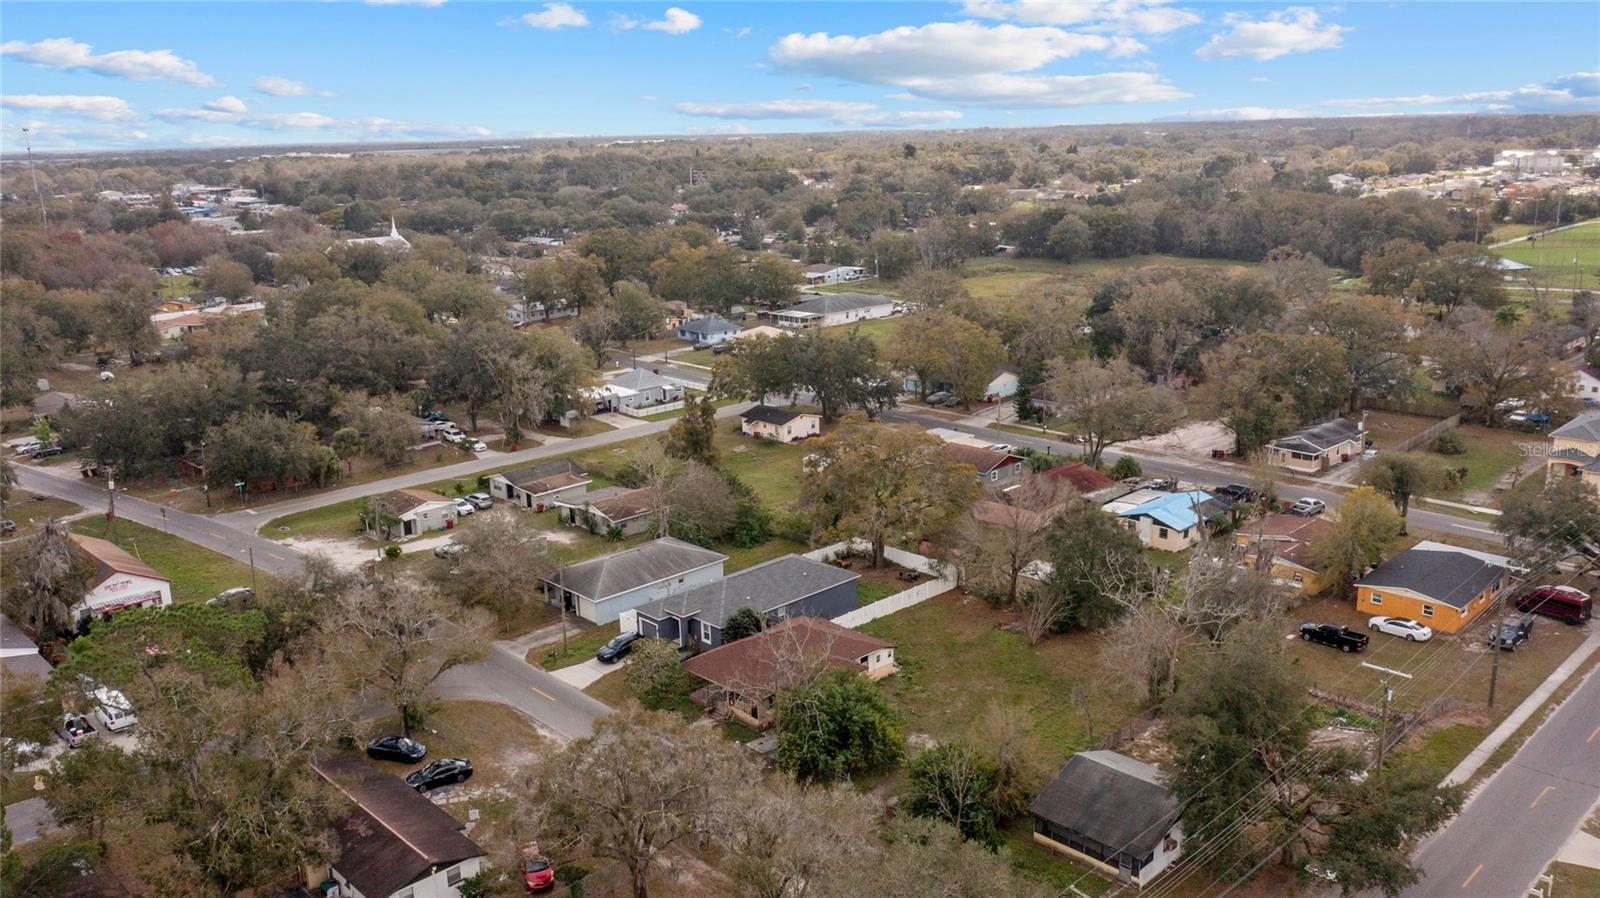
(197, 574)
(30, 511)
(1490, 454)
(1051, 867)
(333, 521)
(1552, 255)
(1509, 231)
(178, 286)
(1005, 276)
(877, 330)
(581, 646)
(869, 591)
(1572, 879)
(771, 469)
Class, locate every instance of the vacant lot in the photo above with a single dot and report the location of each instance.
(1490, 452)
(1388, 430)
(999, 277)
(197, 574)
(30, 511)
(1553, 255)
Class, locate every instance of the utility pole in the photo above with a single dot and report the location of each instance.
(252, 551)
(44, 217)
(1383, 719)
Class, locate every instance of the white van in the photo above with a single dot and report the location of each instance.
(113, 709)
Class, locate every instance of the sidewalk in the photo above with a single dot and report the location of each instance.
(1480, 755)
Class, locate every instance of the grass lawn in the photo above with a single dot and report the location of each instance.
(1490, 454)
(178, 286)
(771, 469)
(1389, 429)
(877, 330)
(1571, 879)
(998, 277)
(739, 559)
(581, 646)
(333, 521)
(956, 663)
(197, 574)
(1552, 255)
(30, 511)
(1051, 867)
(869, 591)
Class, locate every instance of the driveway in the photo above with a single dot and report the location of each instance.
(584, 674)
(29, 820)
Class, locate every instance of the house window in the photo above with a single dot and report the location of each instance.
(1376, 599)
(1427, 611)
(1170, 844)
(1163, 533)
(408, 893)
(453, 875)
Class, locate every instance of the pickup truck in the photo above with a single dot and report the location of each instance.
(76, 730)
(1342, 638)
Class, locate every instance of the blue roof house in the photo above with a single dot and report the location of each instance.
(1172, 522)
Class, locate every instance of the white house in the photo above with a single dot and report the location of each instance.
(830, 309)
(390, 241)
(603, 589)
(710, 329)
(780, 424)
(833, 274)
(120, 581)
(1002, 386)
(1586, 385)
(395, 843)
(540, 486)
(417, 511)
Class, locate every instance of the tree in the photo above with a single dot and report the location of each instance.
(1109, 403)
(500, 556)
(51, 576)
(597, 327)
(950, 782)
(835, 725)
(1373, 334)
(387, 431)
(643, 784)
(1396, 268)
(1462, 273)
(396, 640)
(882, 484)
(693, 436)
(1563, 516)
(1000, 536)
(346, 443)
(741, 623)
(700, 505)
(1367, 526)
(639, 315)
(841, 371)
(655, 674)
(789, 840)
(1161, 321)
(260, 447)
(1003, 737)
(1090, 555)
(225, 277)
(1264, 384)
(124, 319)
(464, 372)
(1400, 476)
(770, 279)
(1488, 367)
(956, 352)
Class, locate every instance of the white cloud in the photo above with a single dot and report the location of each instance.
(622, 22)
(846, 113)
(1043, 91)
(1577, 91)
(368, 126)
(937, 49)
(272, 85)
(226, 104)
(67, 55)
(1122, 16)
(1261, 79)
(553, 17)
(178, 116)
(101, 109)
(52, 134)
(1236, 114)
(1295, 30)
(676, 21)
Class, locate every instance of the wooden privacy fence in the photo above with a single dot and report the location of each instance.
(1428, 436)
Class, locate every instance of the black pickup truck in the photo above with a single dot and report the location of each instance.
(1342, 638)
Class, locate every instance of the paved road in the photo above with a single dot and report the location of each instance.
(210, 532)
(29, 819)
(1521, 817)
(506, 677)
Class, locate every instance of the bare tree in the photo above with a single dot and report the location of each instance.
(786, 838)
(500, 556)
(50, 578)
(1003, 533)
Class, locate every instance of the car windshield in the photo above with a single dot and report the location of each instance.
(618, 642)
(535, 865)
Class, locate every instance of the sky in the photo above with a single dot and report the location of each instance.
(205, 74)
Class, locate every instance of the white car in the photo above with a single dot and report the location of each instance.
(464, 508)
(1308, 506)
(478, 446)
(1403, 627)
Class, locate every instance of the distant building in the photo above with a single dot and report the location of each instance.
(780, 424)
(832, 274)
(540, 486)
(391, 241)
(1531, 162)
(711, 329)
(1286, 540)
(417, 511)
(786, 587)
(1172, 522)
(831, 309)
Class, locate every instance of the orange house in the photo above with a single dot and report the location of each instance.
(1445, 587)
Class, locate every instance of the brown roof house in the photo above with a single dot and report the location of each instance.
(599, 511)
(540, 486)
(395, 843)
(1286, 539)
(402, 514)
(745, 676)
(992, 466)
(119, 580)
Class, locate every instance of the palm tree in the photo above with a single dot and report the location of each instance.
(1511, 313)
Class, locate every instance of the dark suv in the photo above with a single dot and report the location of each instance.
(617, 648)
(1512, 632)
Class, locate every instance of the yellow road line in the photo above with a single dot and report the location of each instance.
(538, 691)
(1475, 871)
(1540, 795)
(274, 555)
(1593, 734)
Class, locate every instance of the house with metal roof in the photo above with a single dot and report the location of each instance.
(1173, 522)
(19, 654)
(120, 581)
(1319, 447)
(636, 388)
(540, 486)
(1443, 586)
(1111, 812)
(1574, 450)
(603, 589)
(395, 843)
(785, 587)
(830, 309)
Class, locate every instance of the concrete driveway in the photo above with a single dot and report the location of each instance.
(581, 675)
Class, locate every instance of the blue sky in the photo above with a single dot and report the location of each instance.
(88, 75)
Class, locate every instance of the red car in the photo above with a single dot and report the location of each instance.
(538, 874)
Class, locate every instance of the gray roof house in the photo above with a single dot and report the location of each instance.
(19, 656)
(1585, 426)
(602, 589)
(1318, 447)
(541, 484)
(829, 309)
(785, 587)
(1111, 812)
(711, 329)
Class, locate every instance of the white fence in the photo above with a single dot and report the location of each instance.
(648, 410)
(900, 600)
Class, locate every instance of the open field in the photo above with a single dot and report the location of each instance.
(997, 277)
(197, 574)
(1552, 256)
(177, 286)
(30, 511)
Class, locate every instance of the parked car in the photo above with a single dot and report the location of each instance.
(1567, 604)
(468, 444)
(8, 526)
(442, 772)
(76, 730)
(112, 709)
(1512, 632)
(704, 345)
(1342, 638)
(937, 397)
(1308, 506)
(27, 447)
(538, 874)
(436, 416)
(397, 748)
(952, 402)
(722, 349)
(1237, 492)
(448, 550)
(47, 452)
(481, 501)
(617, 648)
(451, 434)
(1000, 447)
(464, 508)
(1403, 627)
(231, 596)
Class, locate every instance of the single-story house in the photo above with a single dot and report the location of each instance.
(785, 587)
(395, 843)
(601, 589)
(823, 273)
(745, 676)
(1575, 449)
(1080, 477)
(1287, 539)
(830, 309)
(1126, 496)
(119, 580)
(417, 511)
(638, 388)
(1319, 447)
(1002, 386)
(1440, 585)
(783, 425)
(992, 466)
(1174, 521)
(19, 654)
(1111, 812)
(541, 485)
(1585, 384)
(597, 511)
(712, 329)
(176, 325)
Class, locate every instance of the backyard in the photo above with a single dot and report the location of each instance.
(1490, 452)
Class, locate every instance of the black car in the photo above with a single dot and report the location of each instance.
(397, 748)
(48, 452)
(1342, 638)
(442, 772)
(1512, 632)
(617, 648)
(1237, 492)
(722, 349)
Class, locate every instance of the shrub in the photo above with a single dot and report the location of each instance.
(1449, 443)
(391, 551)
(951, 783)
(1125, 467)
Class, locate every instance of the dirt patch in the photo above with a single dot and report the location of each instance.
(346, 554)
(1195, 438)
